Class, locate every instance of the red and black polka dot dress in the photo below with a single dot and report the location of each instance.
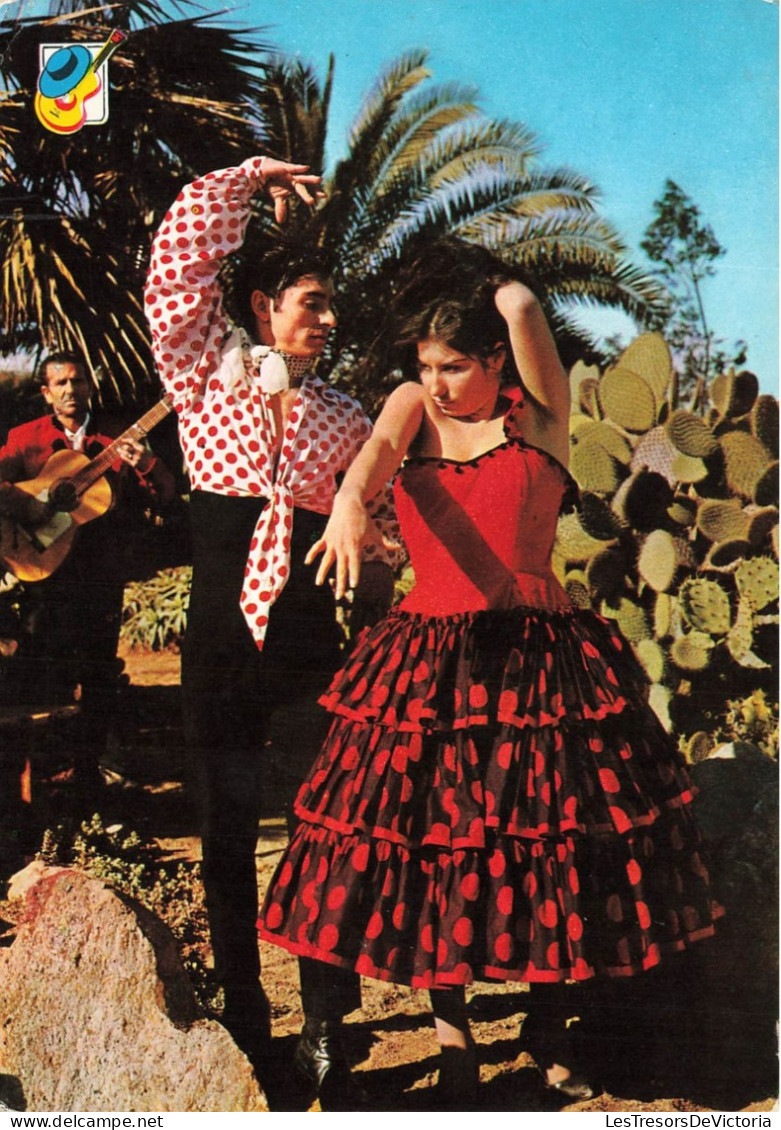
(495, 800)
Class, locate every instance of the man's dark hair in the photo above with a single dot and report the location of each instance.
(61, 357)
(272, 271)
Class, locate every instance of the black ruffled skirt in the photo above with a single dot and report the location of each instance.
(495, 800)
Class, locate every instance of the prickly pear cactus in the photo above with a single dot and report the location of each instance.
(757, 581)
(658, 560)
(705, 605)
(677, 538)
(690, 435)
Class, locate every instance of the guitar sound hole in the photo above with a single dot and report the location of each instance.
(63, 496)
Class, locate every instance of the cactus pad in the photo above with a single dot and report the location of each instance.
(688, 469)
(573, 542)
(659, 701)
(705, 605)
(649, 357)
(766, 490)
(692, 652)
(663, 606)
(764, 422)
(757, 581)
(627, 400)
(652, 657)
(745, 462)
(684, 553)
(691, 435)
(579, 373)
(606, 573)
(576, 588)
(722, 519)
(643, 500)
(683, 510)
(598, 519)
(762, 522)
(579, 425)
(741, 635)
(656, 452)
(657, 562)
(698, 747)
(593, 468)
(733, 394)
(725, 555)
(613, 442)
(588, 397)
(632, 621)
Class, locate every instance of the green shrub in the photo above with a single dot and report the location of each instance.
(154, 615)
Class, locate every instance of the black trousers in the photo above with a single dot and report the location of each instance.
(253, 725)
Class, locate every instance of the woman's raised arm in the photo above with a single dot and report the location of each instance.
(540, 368)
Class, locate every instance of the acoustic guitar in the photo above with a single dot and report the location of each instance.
(73, 491)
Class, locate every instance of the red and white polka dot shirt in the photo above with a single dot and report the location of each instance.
(206, 368)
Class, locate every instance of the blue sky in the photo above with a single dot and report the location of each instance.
(627, 92)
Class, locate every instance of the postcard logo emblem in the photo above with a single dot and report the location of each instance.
(73, 84)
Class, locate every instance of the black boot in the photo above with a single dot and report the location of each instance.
(547, 1041)
(459, 1079)
(321, 1061)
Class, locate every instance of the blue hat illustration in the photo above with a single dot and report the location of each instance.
(64, 70)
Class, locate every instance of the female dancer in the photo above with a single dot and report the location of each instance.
(495, 800)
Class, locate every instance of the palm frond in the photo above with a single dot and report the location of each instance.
(396, 80)
(418, 121)
(59, 293)
(480, 142)
(294, 110)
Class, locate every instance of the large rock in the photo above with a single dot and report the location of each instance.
(97, 1013)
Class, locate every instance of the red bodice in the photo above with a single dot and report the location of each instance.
(480, 534)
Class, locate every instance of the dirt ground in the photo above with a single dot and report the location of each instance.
(645, 1054)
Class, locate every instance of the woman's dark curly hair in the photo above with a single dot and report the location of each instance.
(446, 292)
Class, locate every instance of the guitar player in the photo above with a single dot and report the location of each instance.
(71, 619)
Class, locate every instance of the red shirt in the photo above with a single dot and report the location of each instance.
(29, 445)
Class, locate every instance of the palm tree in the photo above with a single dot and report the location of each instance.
(423, 161)
(77, 211)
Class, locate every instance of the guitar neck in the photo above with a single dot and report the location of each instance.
(108, 48)
(101, 463)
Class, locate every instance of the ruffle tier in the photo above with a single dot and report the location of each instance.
(522, 666)
(517, 910)
(494, 800)
(527, 722)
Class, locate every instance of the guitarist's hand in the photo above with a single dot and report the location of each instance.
(137, 456)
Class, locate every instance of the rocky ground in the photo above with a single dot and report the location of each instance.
(648, 1053)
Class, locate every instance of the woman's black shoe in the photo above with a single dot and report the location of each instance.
(459, 1079)
(548, 1044)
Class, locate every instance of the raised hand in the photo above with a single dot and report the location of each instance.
(282, 180)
